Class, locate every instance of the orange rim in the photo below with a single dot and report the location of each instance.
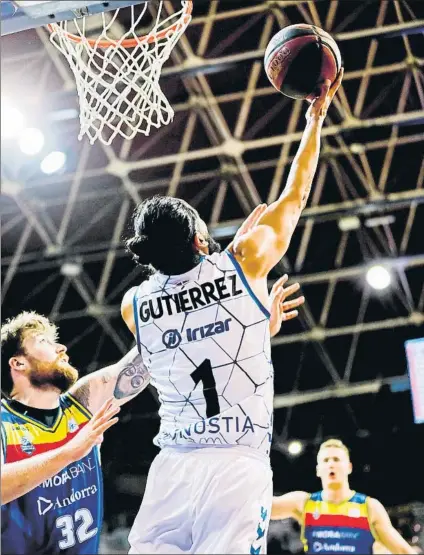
(131, 43)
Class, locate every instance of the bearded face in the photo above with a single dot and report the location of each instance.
(46, 363)
(59, 373)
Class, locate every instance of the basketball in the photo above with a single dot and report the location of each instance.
(301, 57)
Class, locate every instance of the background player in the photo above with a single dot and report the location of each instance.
(337, 519)
(202, 325)
(51, 429)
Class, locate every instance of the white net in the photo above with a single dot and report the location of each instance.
(118, 79)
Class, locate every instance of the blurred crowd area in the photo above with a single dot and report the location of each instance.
(283, 536)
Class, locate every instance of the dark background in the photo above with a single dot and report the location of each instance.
(96, 204)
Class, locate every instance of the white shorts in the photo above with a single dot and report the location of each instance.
(206, 500)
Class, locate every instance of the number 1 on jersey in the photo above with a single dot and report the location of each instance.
(204, 374)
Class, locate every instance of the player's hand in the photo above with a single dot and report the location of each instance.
(282, 310)
(92, 433)
(249, 223)
(320, 104)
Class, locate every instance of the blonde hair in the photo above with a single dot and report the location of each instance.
(12, 335)
(334, 443)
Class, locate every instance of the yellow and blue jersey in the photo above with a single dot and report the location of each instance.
(63, 515)
(330, 528)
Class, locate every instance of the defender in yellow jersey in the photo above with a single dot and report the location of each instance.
(51, 427)
(338, 519)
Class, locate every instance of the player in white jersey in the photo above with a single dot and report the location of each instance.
(202, 325)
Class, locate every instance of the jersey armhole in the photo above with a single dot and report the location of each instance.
(69, 398)
(243, 278)
(302, 524)
(137, 330)
(3, 444)
(371, 525)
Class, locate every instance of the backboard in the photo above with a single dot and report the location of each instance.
(19, 15)
(415, 356)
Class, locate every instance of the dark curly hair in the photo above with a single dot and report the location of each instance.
(163, 233)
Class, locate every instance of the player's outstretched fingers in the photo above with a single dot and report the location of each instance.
(106, 405)
(288, 291)
(291, 315)
(253, 218)
(280, 282)
(248, 224)
(278, 288)
(104, 418)
(283, 293)
(289, 305)
(335, 86)
(258, 211)
(99, 440)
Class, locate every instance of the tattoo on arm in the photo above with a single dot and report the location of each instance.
(132, 379)
(82, 394)
(306, 196)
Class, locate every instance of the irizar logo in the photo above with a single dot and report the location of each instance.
(208, 330)
(171, 339)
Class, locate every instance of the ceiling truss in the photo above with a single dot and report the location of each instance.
(39, 230)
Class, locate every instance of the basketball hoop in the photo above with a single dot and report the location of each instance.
(118, 79)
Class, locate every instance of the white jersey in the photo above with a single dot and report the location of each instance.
(204, 337)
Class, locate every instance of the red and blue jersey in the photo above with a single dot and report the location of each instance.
(330, 528)
(63, 515)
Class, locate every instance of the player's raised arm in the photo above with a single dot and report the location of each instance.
(122, 380)
(387, 534)
(282, 310)
(260, 250)
(289, 505)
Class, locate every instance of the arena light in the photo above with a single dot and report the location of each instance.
(53, 162)
(12, 120)
(357, 148)
(31, 141)
(349, 223)
(70, 269)
(378, 277)
(295, 448)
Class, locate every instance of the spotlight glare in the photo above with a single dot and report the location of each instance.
(348, 223)
(70, 269)
(295, 448)
(378, 277)
(31, 141)
(53, 162)
(12, 120)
